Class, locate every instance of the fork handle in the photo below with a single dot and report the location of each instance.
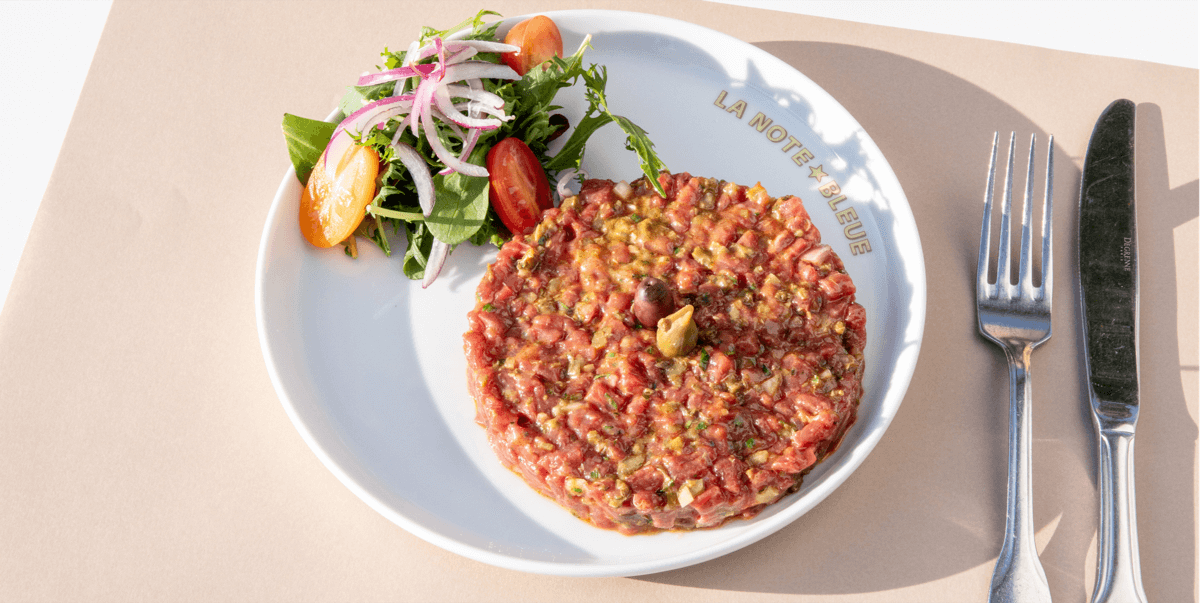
(1118, 572)
(1019, 577)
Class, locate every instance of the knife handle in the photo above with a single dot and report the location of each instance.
(1118, 572)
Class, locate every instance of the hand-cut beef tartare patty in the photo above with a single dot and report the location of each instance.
(580, 400)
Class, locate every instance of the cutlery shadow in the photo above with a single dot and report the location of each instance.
(929, 501)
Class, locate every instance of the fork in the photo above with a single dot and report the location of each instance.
(1017, 318)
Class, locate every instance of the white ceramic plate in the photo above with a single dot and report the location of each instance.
(371, 370)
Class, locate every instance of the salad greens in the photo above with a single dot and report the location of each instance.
(462, 212)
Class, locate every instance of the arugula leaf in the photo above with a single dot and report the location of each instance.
(598, 115)
(638, 141)
(539, 86)
(478, 28)
(534, 97)
(420, 242)
(306, 140)
(571, 154)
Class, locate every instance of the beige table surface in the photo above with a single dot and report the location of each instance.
(145, 456)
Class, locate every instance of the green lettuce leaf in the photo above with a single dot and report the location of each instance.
(462, 205)
(306, 140)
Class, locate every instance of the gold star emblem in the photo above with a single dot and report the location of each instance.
(817, 172)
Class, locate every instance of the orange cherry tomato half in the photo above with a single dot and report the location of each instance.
(539, 39)
(334, 200)
(519, 191)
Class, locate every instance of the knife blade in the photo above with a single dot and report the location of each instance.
(1108, 275)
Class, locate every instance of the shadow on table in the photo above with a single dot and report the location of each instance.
(929, 502)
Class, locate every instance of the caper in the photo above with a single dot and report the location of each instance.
(651, 302)
(677, 333)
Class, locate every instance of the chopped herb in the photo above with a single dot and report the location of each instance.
(487, 307)
(594, 475)
(750, 443)
(703, 359)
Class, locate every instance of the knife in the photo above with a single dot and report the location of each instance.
(1108, 278)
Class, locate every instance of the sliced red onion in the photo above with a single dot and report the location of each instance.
(473, 110)
(402, 84)
(478, 70)
(437, 259)
(410, 56)
(564, 178)
(365, 118)
(420, 54)
(422, 100)
(461, 56)
(444, 154)
(419, 170)
(405, 72)
(477, 109)
(479, 95)
(441, 55)
(441, 98)
(429, 50)
(484, 45)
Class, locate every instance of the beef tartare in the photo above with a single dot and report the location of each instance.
(658, 363)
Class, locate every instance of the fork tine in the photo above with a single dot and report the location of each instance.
(1025, 268)
(1003, 269)
(1046, 290)
(982, 287)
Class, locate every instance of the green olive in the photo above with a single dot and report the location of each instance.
(677, 333)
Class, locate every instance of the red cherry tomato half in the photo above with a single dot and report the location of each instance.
(519, 191)
(539, 39)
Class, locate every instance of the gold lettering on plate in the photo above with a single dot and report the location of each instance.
(847, 216)
(760, 122)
